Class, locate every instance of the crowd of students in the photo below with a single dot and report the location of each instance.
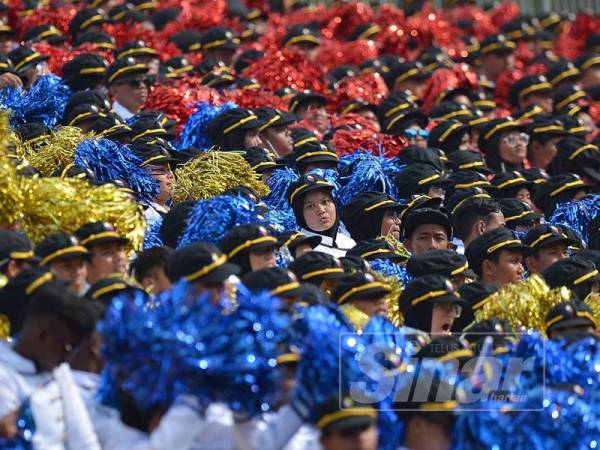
(210, 211)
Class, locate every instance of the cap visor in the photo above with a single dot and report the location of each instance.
(264, 245)
(575, 321)
(108, 240)
(33, 63)
(449, 298)
(287, 119)
(349, 423)
(417, 218)
(313, 241)
(72, 255)
(220, 274)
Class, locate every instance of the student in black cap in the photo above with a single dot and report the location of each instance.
(155, 160)
(203, 265)
(544, 137)
(85, 71)
(495, 56)
(578, 157)
(83, 116)
(106, 248)
(421, 178)
(559, 189)
(594, 233)
(150, 269)
(496, 257)
(589, 66)
(274, 131)
(87, 19)
(106, 289)
(8, 76)
(568, 317)
(408, 76)
(319, 269)
(410, 124)
(251, 247)
(447, 263)
(16, 253)
(343, 424)
(518, 215)
(311, 106)
(371, 214)
(175, 222)
(450, 136)
(475, 294)
(176, 67)
(425, 229)
(532, 90)
(314, 155)
(504, 144)
(302, 38)
(28, 64)
(576, 273)
(100, 40)
(430, 304)
(468, 160)
(371, 249)
(298, 243)
(547, 244)
(511, 184)
(94, 97)
(111, 126)
(145, 129)
(362, 291)
(44, 33)
(220, 44)
(127, 82)
(66, 258)
(316, 212)
(260, 161)
(277, 281)
(235, 129)
(142, 53)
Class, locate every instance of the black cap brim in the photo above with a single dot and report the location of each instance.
(107, 240)
(313, 241)
(32, 63)
(591, 172)
(71, 255)
(287, 119)
(449, 298)
(219, 274)
(349, 423)
(417, 217)
(572, 322)
(129, 74)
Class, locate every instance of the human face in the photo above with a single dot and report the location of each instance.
(544, 101)
(507, 270)
(546, 256)
(166, 179)
(391, 223)
(524, 195)
(589, 125)
(590, 78)
(132, 93)
(543, 153)
(513, 147)
(465, 142)
(261, 258)
(156, 281)
(371, 306)
(324, 165)
(494, 63)
(279, 139)
(106, 259)
(252, 139)
(372, 118)
(462, 99)
(443, 317)
(427, 237)
(416, 135)
(73, 271)
(363, 438)
(55, 341)
(319, 211)
(316, 114)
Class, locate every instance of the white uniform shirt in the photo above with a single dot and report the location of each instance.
(61, 419)
(121, 111)
(343, 243)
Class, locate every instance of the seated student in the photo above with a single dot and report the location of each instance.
(66, 258)
(372, 249)
(425, 229)
(476, 215)
(311, 107)
(275, 133)
(298, 243)
(410, 124)
(106, 289)
(235, 129)
(569, 317)
(504, 144)
(576, 273)
(106, 250)
(531, 90)
(203, 265)
(518, 215)
(512, 185)
(149, 269)
(496, 257)
(127, 82)
(251, 247)
(447, 263)
(16, 253)
(475, 294)
(344, 425)
(316, 212)
(32, 369)
(319, 269)
(277, 281)
(174, 222)
(547, 244)
(372, 214)
(561, 188)
(430, 304)
(362, 291)
(314, 155)
(260, 161)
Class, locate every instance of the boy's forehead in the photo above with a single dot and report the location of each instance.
(430, 228)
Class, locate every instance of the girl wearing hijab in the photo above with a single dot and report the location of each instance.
(372, 214)
(316, 212)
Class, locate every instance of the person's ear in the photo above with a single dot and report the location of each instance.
(531, 263)
(487, 268)
(408, 244)
(12, 269)
(480, 227)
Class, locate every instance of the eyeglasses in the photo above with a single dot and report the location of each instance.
(515, 138)
(449, 308)
(136, 82)
(411, 133)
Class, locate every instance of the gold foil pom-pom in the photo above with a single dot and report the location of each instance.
(393, 306)
(356, 317)
(11, 195)
(524, 304)
(211, 173)
(57, 151)
(55, 204)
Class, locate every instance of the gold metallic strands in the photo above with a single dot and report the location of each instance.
(356, 317)
(57, 152)
(593, 301)
(11, 196)
(211, 173)
(393, 306)
(56, 204)
(524, 304)
(398, 246)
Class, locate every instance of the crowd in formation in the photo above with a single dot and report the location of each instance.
(230, 224)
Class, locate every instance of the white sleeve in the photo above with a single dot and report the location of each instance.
(180, 427)
(10, 395)
(80, 432)
(272, 434)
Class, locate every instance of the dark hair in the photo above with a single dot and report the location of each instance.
(148, 260)
(52, 299)
(473, 210)
(174, 222)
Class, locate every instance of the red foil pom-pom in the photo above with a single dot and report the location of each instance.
(348, 141)
(253, 99)
(370, 88)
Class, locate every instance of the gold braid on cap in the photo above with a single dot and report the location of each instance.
(211, 173)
